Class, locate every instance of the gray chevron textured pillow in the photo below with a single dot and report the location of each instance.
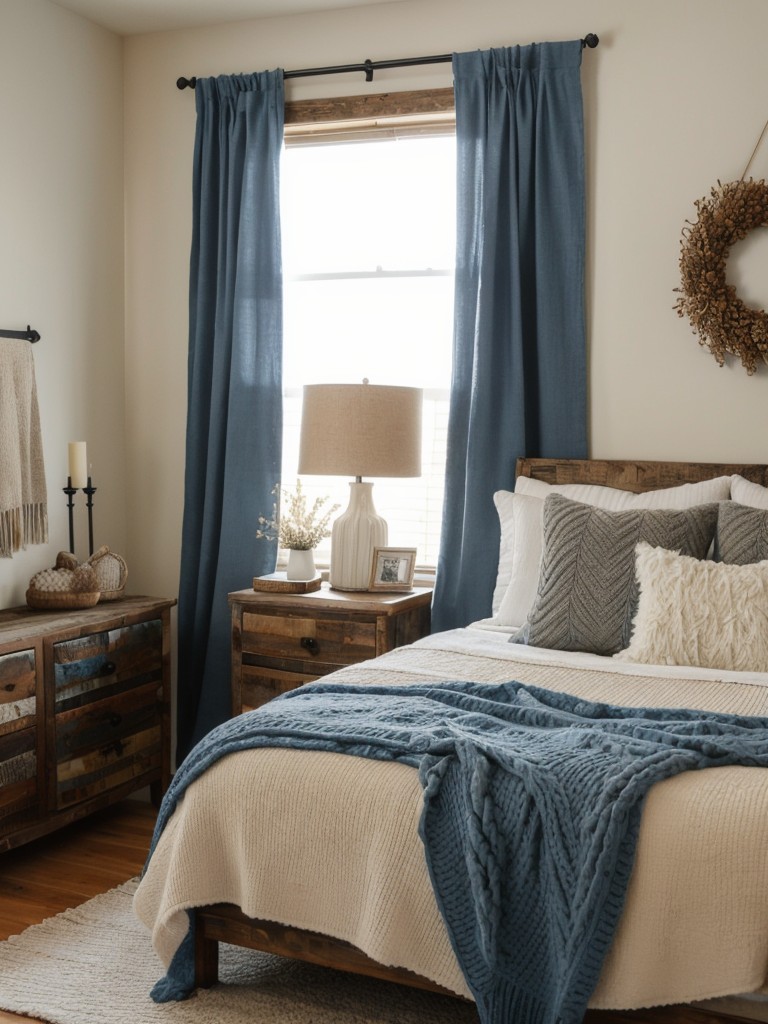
(742, 534)
(587, 592)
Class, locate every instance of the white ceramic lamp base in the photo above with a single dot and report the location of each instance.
(355, 534)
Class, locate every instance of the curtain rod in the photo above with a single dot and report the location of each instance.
(28, 335)
(369, 66)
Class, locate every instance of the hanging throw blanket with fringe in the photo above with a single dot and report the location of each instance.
(23, 499)
(532, 805)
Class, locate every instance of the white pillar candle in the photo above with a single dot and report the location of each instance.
(78, 464)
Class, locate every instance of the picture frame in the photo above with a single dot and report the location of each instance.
(392, 569)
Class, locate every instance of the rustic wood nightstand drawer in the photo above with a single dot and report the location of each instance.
(262, 682)
(321, 639)
(100, 664)
(106, 743)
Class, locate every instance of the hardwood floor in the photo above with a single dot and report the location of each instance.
(93, 855)
(71, 866)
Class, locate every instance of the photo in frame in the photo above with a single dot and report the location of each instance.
(392, 569)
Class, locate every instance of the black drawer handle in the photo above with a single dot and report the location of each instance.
(114, 719)
(116, 747)
(107, 669)
(310, 644)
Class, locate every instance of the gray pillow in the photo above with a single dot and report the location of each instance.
(742, 534)
(587, 591)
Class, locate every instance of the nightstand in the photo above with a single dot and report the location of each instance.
(280, 641)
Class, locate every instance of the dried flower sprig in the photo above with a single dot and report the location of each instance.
(292, 523)
(723, 322)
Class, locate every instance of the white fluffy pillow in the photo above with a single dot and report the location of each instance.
(702, 613)
(522, 537)
(745, 492)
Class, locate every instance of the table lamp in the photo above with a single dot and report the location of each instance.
(359, 430)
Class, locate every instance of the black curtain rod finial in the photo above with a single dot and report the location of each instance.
(183, 83)
(590, 40)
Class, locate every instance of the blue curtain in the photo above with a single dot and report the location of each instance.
(519, 355)
(234, 416)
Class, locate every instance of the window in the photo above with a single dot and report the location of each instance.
(368, 261)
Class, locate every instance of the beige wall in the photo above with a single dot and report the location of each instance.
(61, 255)
(675, 99)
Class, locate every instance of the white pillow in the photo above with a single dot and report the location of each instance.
(519, 561)
(504, 500)
(703, 613)
(745, 492)
(613, 498)
(528, 534)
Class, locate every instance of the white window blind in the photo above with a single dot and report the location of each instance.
(368, 262)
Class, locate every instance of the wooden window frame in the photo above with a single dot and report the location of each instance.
(377, 115)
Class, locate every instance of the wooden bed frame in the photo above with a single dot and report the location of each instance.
(226, 922)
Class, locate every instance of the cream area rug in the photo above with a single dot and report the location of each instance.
(95, 965)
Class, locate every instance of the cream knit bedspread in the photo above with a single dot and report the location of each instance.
(329, 843)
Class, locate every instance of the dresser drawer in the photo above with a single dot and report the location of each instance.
(17, 691)
(101, 664)
(103, 744)
(18, 777)
(305, 643)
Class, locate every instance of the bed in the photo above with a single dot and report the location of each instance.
(323, 859)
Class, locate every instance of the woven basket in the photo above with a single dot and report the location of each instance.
(111, 573)
(64, 586)
(53, 599)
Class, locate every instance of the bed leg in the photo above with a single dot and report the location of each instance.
(206, 957)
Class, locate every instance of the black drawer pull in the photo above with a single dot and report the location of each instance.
(116, 747)
(310, 644)
(114, 719)
(107, 669)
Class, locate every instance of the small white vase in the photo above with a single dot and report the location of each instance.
(301, 564)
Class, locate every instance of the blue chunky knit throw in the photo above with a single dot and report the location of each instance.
(532, 804)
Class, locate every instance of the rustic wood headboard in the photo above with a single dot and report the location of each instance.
(632, 475)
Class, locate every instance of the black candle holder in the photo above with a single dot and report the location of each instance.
(89, 492)
(70, 492)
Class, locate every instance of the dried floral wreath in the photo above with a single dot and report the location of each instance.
(723, 322)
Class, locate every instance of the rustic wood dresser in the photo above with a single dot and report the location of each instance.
(84, 711)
